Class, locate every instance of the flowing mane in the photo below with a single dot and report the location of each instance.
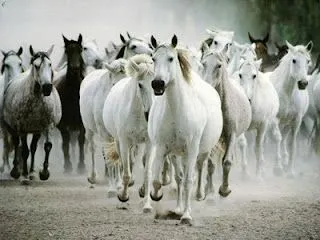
(138, 60)
(184, 64)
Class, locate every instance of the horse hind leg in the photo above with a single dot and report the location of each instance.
(81, 140)
(44, 174)
(277, 169)
(7, 147)
(176, 162)
(165, 173)
(92, 178)
(260, 150)
(33, 148)
(209, 189)
(242, 141)
(200, 195)
(65, 146)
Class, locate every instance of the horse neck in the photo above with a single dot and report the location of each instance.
(177, 92)
(75, 77)
(282, 81)
(222, 86)
(234, 63)
(134, 102)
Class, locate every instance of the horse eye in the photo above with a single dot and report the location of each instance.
(170, 59)
(140, 85)
(254, 76)
(49, 64)
(85, 48)
(215, 43)
(294, 61)
(240, 76)
(133, 47)
(20, 64)
(219, 66)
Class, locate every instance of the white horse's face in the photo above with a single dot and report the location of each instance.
(248, 74)
(222, 40)
(145, 90)
(137, 46)
(12, 64)
(90, 53)
(211, 67)
(41, 70)
(299, 62)
(165, 68)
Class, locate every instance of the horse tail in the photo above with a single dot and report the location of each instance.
(110, 153)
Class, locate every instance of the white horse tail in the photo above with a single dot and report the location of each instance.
(110, 153)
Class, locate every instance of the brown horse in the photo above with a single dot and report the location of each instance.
(269, 62)
(68, 86)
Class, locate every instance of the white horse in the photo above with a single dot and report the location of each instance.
(264, 102)
(11, 67)
(32, 105)
(290, 81)
(95, 87)
(235, 108)
(125, 116)
(185, 119)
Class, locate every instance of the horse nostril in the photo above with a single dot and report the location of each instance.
(46, 89)
(157, 84)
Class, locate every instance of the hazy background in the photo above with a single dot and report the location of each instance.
(41, 22)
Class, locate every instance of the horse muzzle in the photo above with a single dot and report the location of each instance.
(158, 87)
(302, 84)
(47, 89)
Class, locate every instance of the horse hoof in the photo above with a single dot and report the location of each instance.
(31, 176)
(147, 209)
(199, 197)
(141, 192)
(25, 181)
(131, 183)
(44, 175)
(224, 191)
(81, 169)
(92, 180)
(156, 199)
(15, 173)
(277, 171)
(186, 221)
(123, 199)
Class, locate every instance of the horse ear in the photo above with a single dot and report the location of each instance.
(20, 51)
(66, 40)
(252, 40)
(266, 39)
(50, 50)
(129, 36)
(309, 46)
(154, 43)
(3, 53)
(290, 47)
(174, 41)
(258, 63)
(123, 40)
(31, 50)
(80, 39)
(106, 51)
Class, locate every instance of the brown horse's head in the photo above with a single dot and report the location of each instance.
(261, 45)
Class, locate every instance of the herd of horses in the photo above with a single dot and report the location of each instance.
(172, 107)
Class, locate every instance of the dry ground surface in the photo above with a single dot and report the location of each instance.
(65, 207)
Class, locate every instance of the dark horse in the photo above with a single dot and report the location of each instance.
(269, 62)
(68, 87)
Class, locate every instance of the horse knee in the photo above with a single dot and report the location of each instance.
(47, 147)
(211, 167)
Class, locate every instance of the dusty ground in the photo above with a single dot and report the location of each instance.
(65, 207)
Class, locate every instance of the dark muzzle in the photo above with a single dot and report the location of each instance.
(158, 87)
(46, 89)
(302, 84)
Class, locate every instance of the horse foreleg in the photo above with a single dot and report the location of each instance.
(165, 173)
(6, 150)
(93, 177)
(224, 190)
(33, 149)
(125, 157)
(242, 141)
(190, 160)
(277, 169)
(176, 162)
(157, 157)
(81, 141)
(25, 155)
(199, 195)
(65, 146)
(292, 153)
(211, 167)
(261, 131)
(44, 174)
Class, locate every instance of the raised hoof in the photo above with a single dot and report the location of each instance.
(224, 192)
(141, 191)
(186, 221)
(44, 175)
(123, 199)
(15, 173)
(131, 183)
(25, 181)
(156, 199)
(277, 171)
(81, 169)
(92, 179)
